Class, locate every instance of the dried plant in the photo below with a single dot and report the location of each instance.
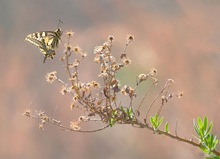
(101, 102)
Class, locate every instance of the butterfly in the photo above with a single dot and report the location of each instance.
(46, 41)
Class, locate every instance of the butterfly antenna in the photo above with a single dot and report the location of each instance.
(60, 22)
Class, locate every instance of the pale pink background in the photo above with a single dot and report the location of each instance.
(181, 39)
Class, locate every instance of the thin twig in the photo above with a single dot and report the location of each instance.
(167, 85)
(147, 91)
(176, 127)
(58, 123)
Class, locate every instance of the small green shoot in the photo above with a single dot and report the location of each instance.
(207, 140)
(167, 127)
(156, 121)
(113, 119)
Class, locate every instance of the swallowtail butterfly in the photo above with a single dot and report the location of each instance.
(46, 41)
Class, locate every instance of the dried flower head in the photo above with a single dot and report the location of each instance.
(153, 72)
(164, 99)
(111, 38)
(83, 119)
(131, 92)
(156, 81)
(171, 81)
(77, 49)
(75, 63)
(125, 90)
(123, 55)
(95, 84)
(74, 126)
(83, 54)
(97, 59)
(99, 49)
(27, 112)
(68, 47)
(40, 113)
(126, 61)
(63, 90)
(72, 105)
(75, 98)
(69, 33)
(180, 94)
(115, 67)
(142, 77)
(51, 77)
(106, 45)
(41, 126)
(62, 58)
(130, 38)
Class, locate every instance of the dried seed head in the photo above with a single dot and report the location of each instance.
(111, 38)
(84, 54)
(41, 126)
(123, 55)
(83, 119)
(153, 72)
(63, 90)
(106, 45)
(27, 112)
(125, 90)
(155, 81)
(74, 126)
(130, 38)
(72, 105)
(95, 84)
(171, 81)
(77, 49)
(98, 49)
(97, 59)
(126, 61)
(180, 94)
(75, 63)
(131, 92)
(164, 99)
(51, 77)
(75, 98)
(69, 48)
(62, 58)
(69, 33)
(115, 67)
(142, 77)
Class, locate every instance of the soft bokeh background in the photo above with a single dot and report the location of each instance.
(181, 39)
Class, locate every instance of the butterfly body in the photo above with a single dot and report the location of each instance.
(46, 41)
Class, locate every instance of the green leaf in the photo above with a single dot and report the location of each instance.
(196, 128)
(210, 128)
(167, 127)
(111, 122)
(153, 120)
(156, 117)
(215, 141)
(160, 122)
(200, 123)
(205, 150)
(205, 123)
(207, 140)
(123, 109)
(130, 113)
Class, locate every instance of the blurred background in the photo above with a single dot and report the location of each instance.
(181, 39)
